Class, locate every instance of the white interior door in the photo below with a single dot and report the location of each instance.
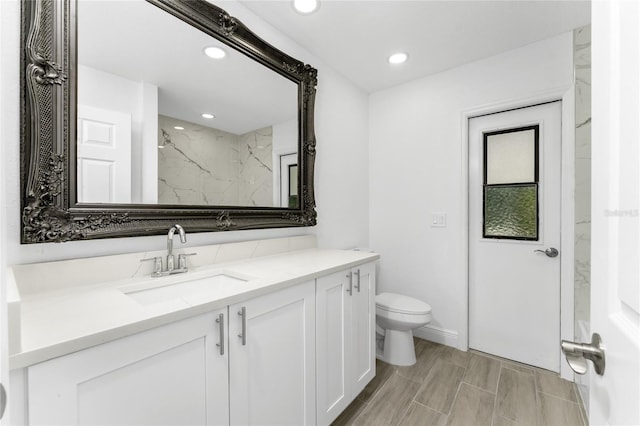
(615, 249)
(514, 215)
(104, 156)
(288, 178)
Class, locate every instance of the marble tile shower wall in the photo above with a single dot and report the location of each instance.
(582, 65)
(206, 166)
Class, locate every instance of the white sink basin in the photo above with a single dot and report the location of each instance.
(157, 290)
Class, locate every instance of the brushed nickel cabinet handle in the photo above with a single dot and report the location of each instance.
(350, 288)
(220, 321)
(243, 336)
(357, 273)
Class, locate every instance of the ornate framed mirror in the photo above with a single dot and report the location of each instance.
(129, 122)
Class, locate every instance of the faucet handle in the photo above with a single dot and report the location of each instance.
(157, 264)
(182, 260)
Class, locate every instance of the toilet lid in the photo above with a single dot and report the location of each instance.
(402, 304)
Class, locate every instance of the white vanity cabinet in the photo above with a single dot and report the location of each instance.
(286, 355)
(273, 348)
(346, 338)
(262, 372)
(173, 375)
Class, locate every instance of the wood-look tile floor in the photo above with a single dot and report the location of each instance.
(450, 387)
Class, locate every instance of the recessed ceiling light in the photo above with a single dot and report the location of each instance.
(398, 58)
(178, 127)
(207, 115)
(306, 6)
(215, 52)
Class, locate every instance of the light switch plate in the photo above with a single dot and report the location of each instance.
(438, 220)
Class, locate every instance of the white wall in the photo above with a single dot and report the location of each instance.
(341, 161)
(416, 169)
(8, 115)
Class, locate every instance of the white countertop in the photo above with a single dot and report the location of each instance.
(65, 320)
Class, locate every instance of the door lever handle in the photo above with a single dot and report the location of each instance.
(550, 252)
(578, 353)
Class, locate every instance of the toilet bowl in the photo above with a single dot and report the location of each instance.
(398, 316)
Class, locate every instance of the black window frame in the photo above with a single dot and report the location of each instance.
(535, 183)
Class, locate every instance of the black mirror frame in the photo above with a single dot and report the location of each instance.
(48, 133)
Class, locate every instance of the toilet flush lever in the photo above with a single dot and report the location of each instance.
(550, 252)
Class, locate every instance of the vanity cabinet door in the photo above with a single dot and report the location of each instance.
(345, 327)
(333, 314)
(173, 375)
(363, 326)
(272, 370)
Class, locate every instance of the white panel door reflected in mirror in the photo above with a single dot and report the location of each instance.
(289, 180)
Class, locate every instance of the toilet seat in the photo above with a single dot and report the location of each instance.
(398, 303)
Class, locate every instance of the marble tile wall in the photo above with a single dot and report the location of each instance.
(205, 166)
(256, 168)
(582, 63)
(582, 268)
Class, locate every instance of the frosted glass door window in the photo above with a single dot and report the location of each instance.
(511, 184)
(511, 156)
(511, 211)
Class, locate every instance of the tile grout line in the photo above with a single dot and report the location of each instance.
(413, 399)
(538, 401)
(510, 362)
(512, 368)
(455, 398)
(373, 395)
(404, 414)
(482, 389)
(580, 404)
(560, 398)
(495, 398)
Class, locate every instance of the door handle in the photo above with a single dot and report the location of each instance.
(357, 274)
(3, 400)
(550, 252)
(578, 353)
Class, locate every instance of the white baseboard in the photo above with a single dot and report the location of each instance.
(437, 335)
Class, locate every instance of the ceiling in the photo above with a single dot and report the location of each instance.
(241, 93)
(356, 37)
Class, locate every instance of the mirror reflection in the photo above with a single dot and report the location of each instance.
(163, 120)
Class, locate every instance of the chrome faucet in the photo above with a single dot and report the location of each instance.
(183, 239)
(171, 261)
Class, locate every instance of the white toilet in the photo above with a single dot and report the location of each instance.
(396, 317)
